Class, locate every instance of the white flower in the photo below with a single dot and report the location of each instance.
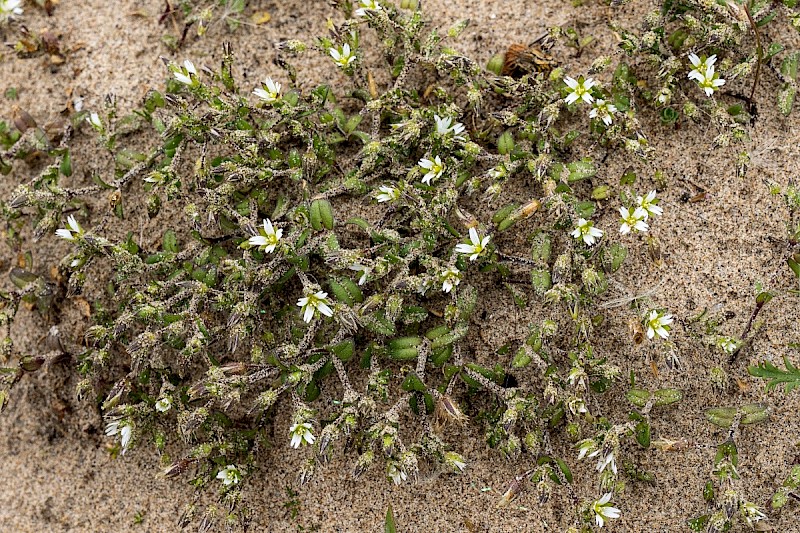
(434, 168)
(125, 432)
(586, 446)
(229, 475)
(711, 82)
(605, 461)
(752, 513)
(301, 433)
(95, 122)
(580, 89)
(358, 267)
(186, 74)
(443, 126)
(387, 194)
(455, 461)
(603, 510)
(9, 8)
(585, 230)
(450, 277)
(603, 110)
(577, 377)
(72, 232)
(268, 238)
(342, 56)
(398, 475)
(367, 5)
(704, 74)
(164, 404)
(270, 91)
(314, 302)
(701, 66)
(476, 248)
(658, 323)
(577, 406)
(649, 204)
(633, 220)
(727, 344)
(498, 172)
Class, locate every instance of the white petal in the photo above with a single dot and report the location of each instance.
(324, 309)
(465, 248)
(258, 240)
(473, 236)
(65, 234)
(73, 224)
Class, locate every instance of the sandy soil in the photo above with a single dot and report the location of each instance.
(57, 474)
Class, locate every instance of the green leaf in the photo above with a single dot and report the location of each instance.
(390, 526)
(170, 242)
(643, 433)
(777, 376)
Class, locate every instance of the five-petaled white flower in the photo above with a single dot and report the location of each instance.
(603, 510)
(398, 475)
(367, 5)
(434, 168)
(342, 56)
(95, 122)
(365, 270)
(585, 230)
(125, 433)
(229, 475)
(649, 204)
(701, 66)
(443, 126)
(301, 434)
(164, 404)
(752, 513)
(704, 73)
(455, 461)
(450, 277)
(580, 89)
(9, 8)
(186, 74)
(313, 302)
(476, 248)
(727, 344)
(387, 194)
(72, 232)
(603, 110)
(268, 238)
(269, 92)
(658, 322)
(633, 220)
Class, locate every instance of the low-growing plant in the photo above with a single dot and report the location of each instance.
(325, 250)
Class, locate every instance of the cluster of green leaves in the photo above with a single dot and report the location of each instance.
(739, 33)
(202, 333)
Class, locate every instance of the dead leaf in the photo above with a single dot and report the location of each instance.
(83, 306)
(260, 17)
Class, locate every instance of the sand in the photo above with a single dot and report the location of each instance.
(57, 474)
